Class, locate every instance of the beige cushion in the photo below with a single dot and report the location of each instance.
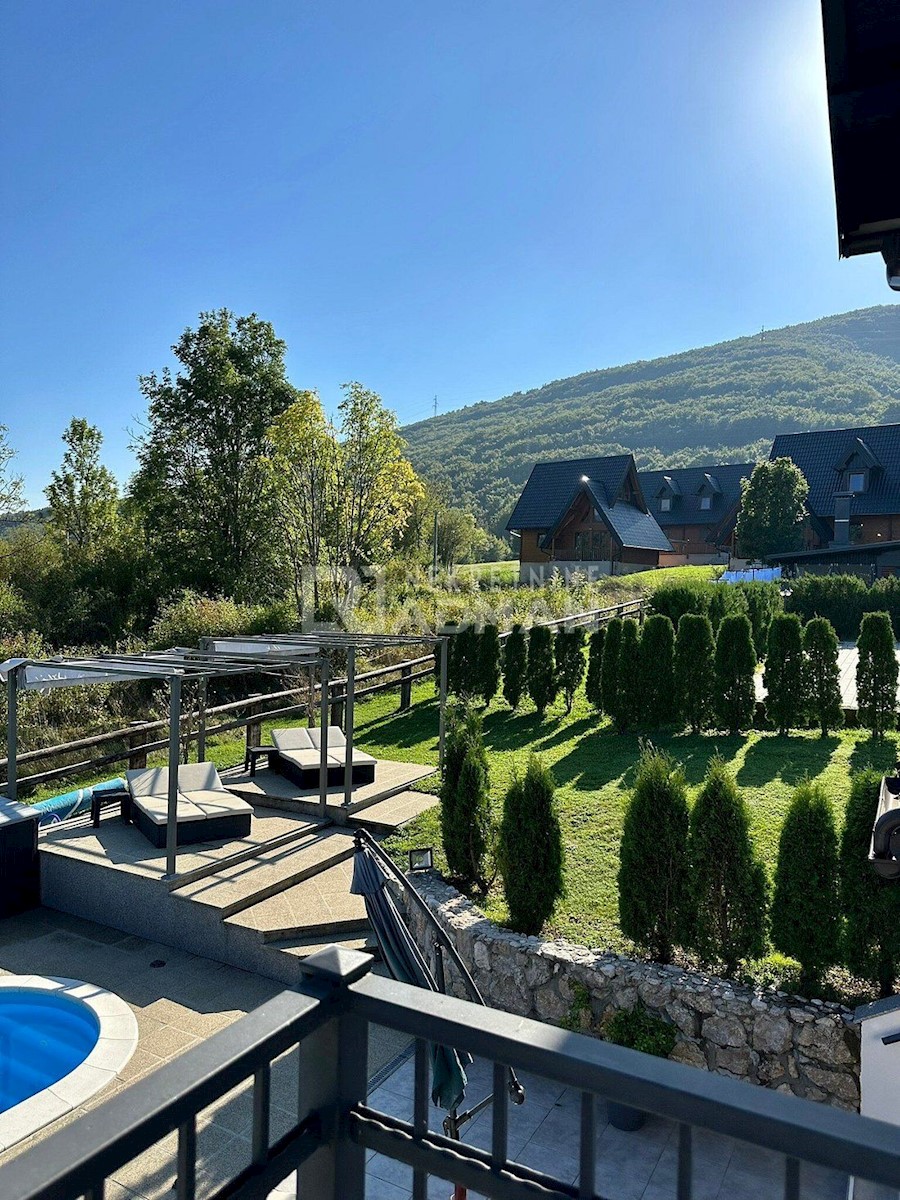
(213, 803)
(201, 793)
(292, 739)
(156, 809)
(335, 737)
(154, 781)
(302, 758)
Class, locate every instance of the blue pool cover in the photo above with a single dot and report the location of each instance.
(43, 1036)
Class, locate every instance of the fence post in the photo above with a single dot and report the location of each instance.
(137, 753)
(405, 687)
(254, 724)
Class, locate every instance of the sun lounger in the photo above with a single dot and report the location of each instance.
(363, 765)
(207, 811)
(298, 757)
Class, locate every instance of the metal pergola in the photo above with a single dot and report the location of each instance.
(174, 667)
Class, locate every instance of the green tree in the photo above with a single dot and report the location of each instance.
(728, 883)
(735, 666)
(784, 674)
(515, 666)
(489, 663)
(12, 497)
(200, 486)
(543, 684)
(609, 670)
(630, 696)
(82, 494)
(822, 675)
(531, 849)
(773, 509)
(657, 671)
(876, 673)
(593, 686)
(805, 905)
(871, 905)
(694, 670)
(653, 857)
(568, 648)
(466, 664)
(465, 797)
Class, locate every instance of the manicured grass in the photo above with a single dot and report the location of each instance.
(505, 573)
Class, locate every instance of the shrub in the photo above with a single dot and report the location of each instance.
(784, 674)
(822, 675)
(841, 598)
(609, 671)
(568, 648)
(465, 804)
(515, 666)
(763, 603)
(673, 600)
(531, 849)
(735, 664)
(871, 905)
(488, 663)
(774, 970)
(638, 1029)
(190, 616)
(465, 670)
(694, 671)
(543, 684)
(593, 686)
(725, 601)
(805, 913)
(657, 671)
(630, 691)
(728, 883)
(876, 674)
(653, 874)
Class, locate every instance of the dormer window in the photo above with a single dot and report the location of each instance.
(706, 503)
(856, 481)
(665, 504)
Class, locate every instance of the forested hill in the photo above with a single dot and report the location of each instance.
(720, 403)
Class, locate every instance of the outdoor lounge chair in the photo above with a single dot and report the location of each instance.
(207, 811)
(298, 757)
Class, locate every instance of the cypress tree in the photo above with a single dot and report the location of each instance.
(609, 670)
(694, 670)
(466, 644)
(593, 686)
(531, 849)
(805, 912)
(630, 691)
(657, 671)
(653, 857)
(465, 808)
(488, 663)
(515, 666)
(542, 682)
(876, 673)
(568, 648)
(871, 905)
(735, 664)
(822, 675)
(783, 676)
(728, 883)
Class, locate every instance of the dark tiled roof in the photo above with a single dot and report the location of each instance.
(688, 483)
(631, 526)
(821, 453)
(552, 485)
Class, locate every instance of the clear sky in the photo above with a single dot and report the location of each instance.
(459, 199)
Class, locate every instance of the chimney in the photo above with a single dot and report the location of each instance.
(842, 519)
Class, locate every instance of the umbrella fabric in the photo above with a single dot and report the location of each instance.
(406, 964)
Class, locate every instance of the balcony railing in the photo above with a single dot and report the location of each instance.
(328, 1018)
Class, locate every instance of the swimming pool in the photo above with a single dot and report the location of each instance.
(61, 1041)
(43, 1036)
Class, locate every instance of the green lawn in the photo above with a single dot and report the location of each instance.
(505, 573)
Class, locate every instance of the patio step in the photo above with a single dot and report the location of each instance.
(273, 869)
(318, 907)
(384, 795)
(303, 947)
(388, 814)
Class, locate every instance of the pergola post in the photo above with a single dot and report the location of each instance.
(174, 760)
(201, 721)
(445, 647)
(12, 731)
(323, 736)
(349, 706)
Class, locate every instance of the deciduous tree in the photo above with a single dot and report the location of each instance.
(83, 494)
(773, 509)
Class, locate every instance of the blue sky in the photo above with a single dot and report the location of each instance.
(461, 200)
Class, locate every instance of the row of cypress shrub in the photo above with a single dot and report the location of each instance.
(844, 600)
(690, 877)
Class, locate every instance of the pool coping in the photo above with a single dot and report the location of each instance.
(115, 1045)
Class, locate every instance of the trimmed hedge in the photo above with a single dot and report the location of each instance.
(844, 599)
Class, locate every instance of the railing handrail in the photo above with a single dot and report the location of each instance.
(340, 985)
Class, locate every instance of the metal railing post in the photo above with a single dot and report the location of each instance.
(324, 671)
(174, 763)
(349, 715)
(442, 737)
(253, 733)
(12, 731)
(201, 721)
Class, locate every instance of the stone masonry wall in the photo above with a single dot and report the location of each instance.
(808, 1048)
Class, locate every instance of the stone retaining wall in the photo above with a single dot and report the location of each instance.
(808, 1048)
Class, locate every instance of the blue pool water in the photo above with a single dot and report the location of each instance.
(43, 1036)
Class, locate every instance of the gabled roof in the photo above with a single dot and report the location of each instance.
(551, 487)
(631, 526)
(723, 482)
(823, 454)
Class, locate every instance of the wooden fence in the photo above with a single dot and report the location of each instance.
(133, 743)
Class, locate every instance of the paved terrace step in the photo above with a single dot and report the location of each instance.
(240, 885)
(386, 815)
(317, 907)
(301, 948)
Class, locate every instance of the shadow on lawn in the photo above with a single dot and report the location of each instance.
(790, 759)
(876, 754)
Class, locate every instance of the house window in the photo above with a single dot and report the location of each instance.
(706, 502)
(857, 481)
(665, 504)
